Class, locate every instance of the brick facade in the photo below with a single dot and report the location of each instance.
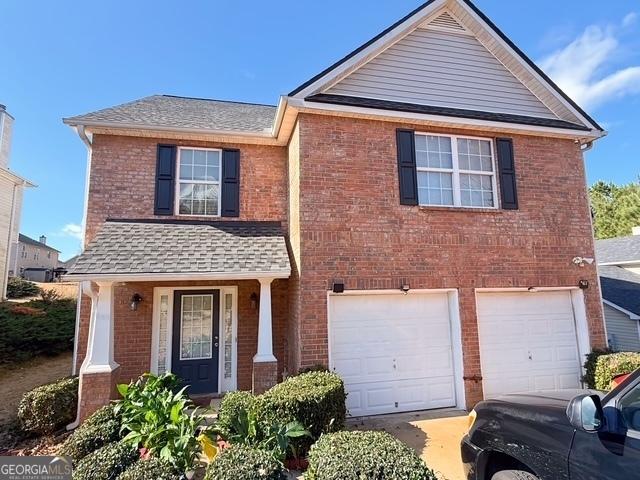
(353, 229)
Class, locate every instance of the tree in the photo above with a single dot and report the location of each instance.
(615, 208)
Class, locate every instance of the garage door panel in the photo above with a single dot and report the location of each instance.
(543, 356)
(394, 352)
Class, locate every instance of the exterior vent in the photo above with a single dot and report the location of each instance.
(446, 22)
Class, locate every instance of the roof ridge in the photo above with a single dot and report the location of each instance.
(217, 100)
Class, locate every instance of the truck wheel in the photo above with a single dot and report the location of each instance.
(513, 475)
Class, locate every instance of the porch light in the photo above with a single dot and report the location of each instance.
(532, 289)
(253, 299)
(136, 298)
(405, 288)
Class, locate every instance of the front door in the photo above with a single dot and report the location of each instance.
(196, 315)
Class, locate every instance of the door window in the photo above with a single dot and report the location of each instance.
(195, 331)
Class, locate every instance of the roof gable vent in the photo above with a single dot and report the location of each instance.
(445, 21)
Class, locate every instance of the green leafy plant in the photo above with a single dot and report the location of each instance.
(589, 377)
(610, 366)
(155, 418)
(240, 462)
(232, 404)
(360, 455)
(106, 463)
(19, 288)
(150, 469)
(99, 429)
(49, 407)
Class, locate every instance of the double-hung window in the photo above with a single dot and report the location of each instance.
(455, 171)
(198, 185)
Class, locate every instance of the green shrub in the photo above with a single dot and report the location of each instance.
(99, 429)
(156, 418)
(589, 377)
(318, 367)
(50, 407)
(240, 462)
(232, 404)
(315, 399)
(359, 455)
(612, 365)
(19, 288)
(106, 463)
(151, 469)
(48, 330)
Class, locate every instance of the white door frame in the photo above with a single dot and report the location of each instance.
(223, 385)
(579, 314)
(454, 322)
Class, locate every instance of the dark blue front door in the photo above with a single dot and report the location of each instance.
(194, 359)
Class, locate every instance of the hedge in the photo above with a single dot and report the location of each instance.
(36, 328)
(612, 365)
(315, 399)
(19, 288)
(358, 455)
(49, 407)
(231, 406)
(150, 469)
(239, 462)
(589, 377)
(99, 429)
(106, 463)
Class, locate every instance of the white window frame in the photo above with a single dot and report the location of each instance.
(201, 182)
(455, 171)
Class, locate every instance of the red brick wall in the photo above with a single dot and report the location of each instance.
(353, 228)
(122, 182)
(132, 335)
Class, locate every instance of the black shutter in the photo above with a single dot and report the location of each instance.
(230, 183)
(165, 179)
(507, 171)
(407, 167)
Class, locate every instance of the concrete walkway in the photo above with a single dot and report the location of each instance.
(435, 435)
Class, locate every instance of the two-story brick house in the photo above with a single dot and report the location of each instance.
(409, 217)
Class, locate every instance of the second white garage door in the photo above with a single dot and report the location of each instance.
(393, 351)
(528, 342)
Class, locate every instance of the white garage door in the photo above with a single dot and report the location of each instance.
(527, 342)
(393, 351)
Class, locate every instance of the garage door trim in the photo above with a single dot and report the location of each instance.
(454, 320)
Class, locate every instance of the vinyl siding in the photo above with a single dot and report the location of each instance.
(622, 332)
(6, 207)
(447, 69)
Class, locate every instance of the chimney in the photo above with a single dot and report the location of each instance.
(6, 129)
(635, 230)
(43, 239)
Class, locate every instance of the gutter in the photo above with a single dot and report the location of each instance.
(159, 277)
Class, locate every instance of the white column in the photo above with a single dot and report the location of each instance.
(99, 356)
(265, 335)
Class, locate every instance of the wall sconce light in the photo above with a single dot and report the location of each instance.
(136, 298)
(532, 289)
(583, 284)
(338, 287)
(405, 288)
(253, 299)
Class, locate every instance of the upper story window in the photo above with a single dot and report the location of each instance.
(198, 185)
(455, 171)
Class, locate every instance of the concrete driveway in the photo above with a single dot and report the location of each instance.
(434, 435)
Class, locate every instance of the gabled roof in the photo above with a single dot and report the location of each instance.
(183, 113)
(494, 40)
(621, 250)
(30, 241)
(177, 249)
(620, 287)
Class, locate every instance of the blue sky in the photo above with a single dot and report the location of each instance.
(64, 58)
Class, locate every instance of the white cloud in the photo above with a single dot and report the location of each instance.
(579, 67)
(72, 230)
(629, 19)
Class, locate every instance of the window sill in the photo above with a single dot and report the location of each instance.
(435, 208)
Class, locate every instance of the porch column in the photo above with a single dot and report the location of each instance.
(97, 373)
(265, 365)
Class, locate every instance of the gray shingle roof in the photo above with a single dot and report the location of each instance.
(150, 247)
(30, 241)
(621, 249)
(620, 286)
(168, 111)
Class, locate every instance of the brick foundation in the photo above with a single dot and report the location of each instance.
(96, 390)
(265, 376)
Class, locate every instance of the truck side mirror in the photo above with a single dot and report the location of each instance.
(585, 413)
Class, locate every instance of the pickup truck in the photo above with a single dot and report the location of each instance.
(564, 434)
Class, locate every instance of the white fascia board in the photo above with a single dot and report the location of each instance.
(163, 277)
(17, 179)
(380, 44)
(318, 107)
(616, 264)
(631, 315)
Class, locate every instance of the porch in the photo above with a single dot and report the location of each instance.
(218, 329)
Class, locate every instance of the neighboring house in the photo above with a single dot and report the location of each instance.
(11, 191)
(619, 269)
(408, 217)
(34, 259)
